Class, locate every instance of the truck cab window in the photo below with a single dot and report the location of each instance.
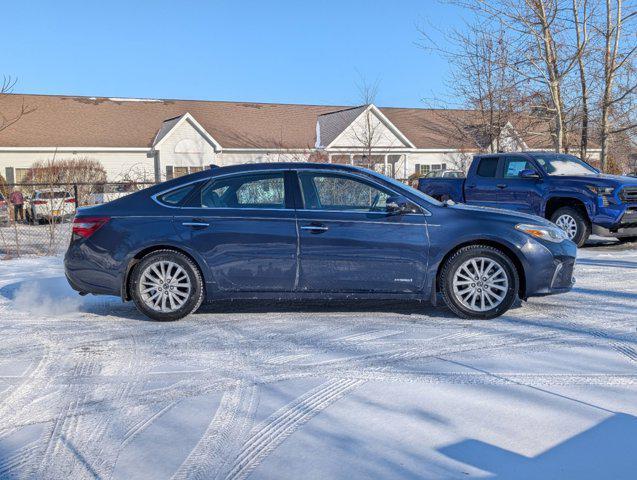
(487, 167)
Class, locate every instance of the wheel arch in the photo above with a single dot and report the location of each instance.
(556, 202)
(145, 251)
(503, 247)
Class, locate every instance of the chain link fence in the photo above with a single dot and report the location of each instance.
(36, 218)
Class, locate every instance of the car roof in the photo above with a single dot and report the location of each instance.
(534, 153)
(248, 167)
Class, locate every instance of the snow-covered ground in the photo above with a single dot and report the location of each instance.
(90, 389)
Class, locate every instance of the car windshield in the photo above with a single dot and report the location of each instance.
(564, 165)
(409, 188)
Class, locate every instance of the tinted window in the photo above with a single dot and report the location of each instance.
(487, 167)
(246, 191)
(324, 191)
(513, 167)
(175, 197)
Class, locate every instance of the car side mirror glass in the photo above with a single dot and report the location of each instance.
(529, 173)
(399, 205)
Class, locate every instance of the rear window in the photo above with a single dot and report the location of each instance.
(487, 167)
(52, 195)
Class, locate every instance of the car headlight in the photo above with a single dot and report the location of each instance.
(550, 234)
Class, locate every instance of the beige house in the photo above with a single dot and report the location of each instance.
(137, 139)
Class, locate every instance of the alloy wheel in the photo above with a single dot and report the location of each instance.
(480, 284)
(164, 286)
(568, 224)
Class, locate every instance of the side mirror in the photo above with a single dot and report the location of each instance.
(399, 205)
(529, 173)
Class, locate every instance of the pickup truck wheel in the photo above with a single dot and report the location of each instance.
(479, 281)
(166, 285)
(574, 223)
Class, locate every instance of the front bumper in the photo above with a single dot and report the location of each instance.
(549, 267)
(624, 226)
(615, 220)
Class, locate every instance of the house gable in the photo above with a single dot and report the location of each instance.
(177, 124)
(368, 127)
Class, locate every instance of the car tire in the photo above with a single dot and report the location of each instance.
(574, 222)
(494, 296)
(166, 285)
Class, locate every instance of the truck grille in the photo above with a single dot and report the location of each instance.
(629, 194)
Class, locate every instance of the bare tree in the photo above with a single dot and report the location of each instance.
(368, 133)
(482, 83)
(618, 75)
(581, 18)
(9, 116)
(537, 34)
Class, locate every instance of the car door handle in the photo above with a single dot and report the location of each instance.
(501, 185)
(196, 224)
(315, 228)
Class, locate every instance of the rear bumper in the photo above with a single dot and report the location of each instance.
(87, 272)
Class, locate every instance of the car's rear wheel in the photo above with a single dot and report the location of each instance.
(166, 285)
(479, 281)
(574, 223)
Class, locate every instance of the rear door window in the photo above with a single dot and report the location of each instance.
(261, 191)
(488, 167)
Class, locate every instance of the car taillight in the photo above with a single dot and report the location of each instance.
(69, 200)
(39, 202)
(87, 226)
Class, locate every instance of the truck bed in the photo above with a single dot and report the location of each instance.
(443, 188)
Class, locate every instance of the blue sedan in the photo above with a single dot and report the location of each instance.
(303, 230)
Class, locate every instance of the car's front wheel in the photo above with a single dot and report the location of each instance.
(166, 285)
(479, 281)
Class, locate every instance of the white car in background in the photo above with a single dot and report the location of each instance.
(108, 193)
(54, 204)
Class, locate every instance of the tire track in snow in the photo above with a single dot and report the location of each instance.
(223, 436)
(17, 459)
(284, 422)
(623, 348)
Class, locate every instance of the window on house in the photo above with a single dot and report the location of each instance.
(176, 172)
(20, 175)
(424, 169)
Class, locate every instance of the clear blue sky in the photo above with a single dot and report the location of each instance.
(269, 51)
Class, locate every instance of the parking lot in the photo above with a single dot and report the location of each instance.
(90, 389)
